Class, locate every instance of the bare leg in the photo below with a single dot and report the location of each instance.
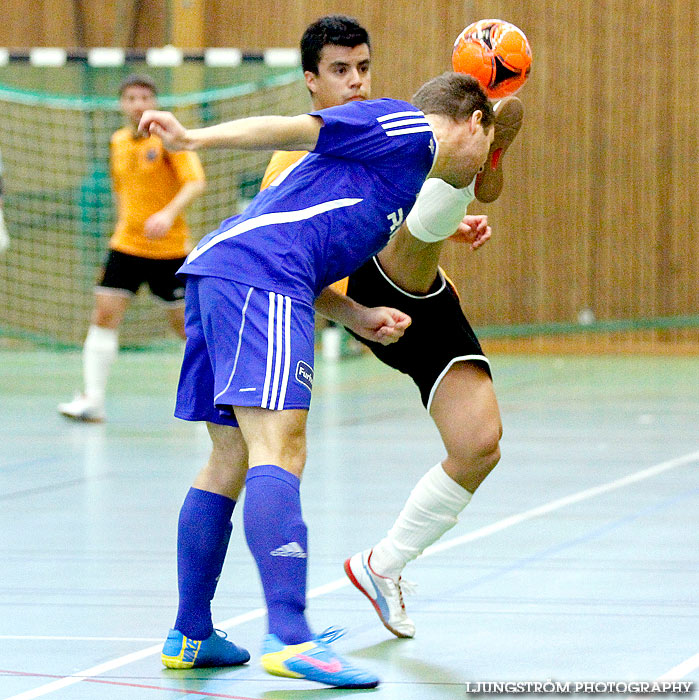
(102, 344)
(410, 263)
(274, 527)
(274, 437)
(99, 353)
(227, 467)
(203, 532)
(466, 412)
(175, 317)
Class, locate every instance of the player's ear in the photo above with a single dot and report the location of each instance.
(310, 78)
(476, 119)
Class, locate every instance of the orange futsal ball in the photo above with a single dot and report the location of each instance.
(496, 53)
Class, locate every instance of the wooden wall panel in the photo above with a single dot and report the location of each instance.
(602, 185)
(400, 65)
(103, 22)
(152, 24)
(44, 23)
(188, 20)
(58, 19)
(602, 181)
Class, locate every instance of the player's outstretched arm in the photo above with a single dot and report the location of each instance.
(379, 324)
(251, 133)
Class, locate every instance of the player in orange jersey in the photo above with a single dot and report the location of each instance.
(152, 188)
(439, 351)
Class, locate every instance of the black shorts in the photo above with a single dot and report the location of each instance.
(129, 272)
(438, 337)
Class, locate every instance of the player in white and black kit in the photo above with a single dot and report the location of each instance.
(247, 371)
(439, 351)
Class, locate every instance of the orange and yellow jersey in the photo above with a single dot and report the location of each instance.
(278, 163)
(145, 178)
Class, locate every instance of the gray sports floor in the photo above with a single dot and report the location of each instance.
(577, 560)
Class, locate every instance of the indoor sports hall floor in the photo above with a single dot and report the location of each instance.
(578, 559)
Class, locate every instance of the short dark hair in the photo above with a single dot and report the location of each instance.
(334, 30)
(454, 95)
(139, 80)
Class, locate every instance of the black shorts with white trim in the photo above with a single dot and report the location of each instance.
(127, 273)
(439, 335)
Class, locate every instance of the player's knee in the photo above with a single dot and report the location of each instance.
(489, 444)
(492, 456)
(105, 318)
(481, 447)
(494, 436)
(227, 445)
(293, 454)
(228, 457)
(176, 318)
(288, 452)
(470, 461)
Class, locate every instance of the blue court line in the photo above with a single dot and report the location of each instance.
(36, 462)
(50, 487)
(341, 583)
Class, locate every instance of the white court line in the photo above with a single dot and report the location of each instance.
(675, 674)
(685, 667)
(58, 638)
(565, 501)
(681, 670)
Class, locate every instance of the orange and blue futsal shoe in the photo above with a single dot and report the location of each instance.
(182, 652)
(314, 661)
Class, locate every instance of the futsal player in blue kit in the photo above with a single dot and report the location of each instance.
(248, 368)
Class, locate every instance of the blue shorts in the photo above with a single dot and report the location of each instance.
(245, 347)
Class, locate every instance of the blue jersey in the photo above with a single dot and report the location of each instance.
(330, 211)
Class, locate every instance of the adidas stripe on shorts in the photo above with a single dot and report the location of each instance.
(245, 347)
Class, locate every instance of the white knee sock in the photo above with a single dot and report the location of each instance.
(432, 508)
(99, 352)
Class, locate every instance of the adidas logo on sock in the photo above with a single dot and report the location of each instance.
(292, 549)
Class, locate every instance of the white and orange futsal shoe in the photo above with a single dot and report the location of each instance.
(384, 593)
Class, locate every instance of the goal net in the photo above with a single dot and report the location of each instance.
(57, 197)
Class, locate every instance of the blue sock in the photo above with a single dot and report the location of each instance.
(277, 538)
(203, 532)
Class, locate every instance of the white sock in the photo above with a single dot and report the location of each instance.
(4, 237)
(431, 510)
(99, 352)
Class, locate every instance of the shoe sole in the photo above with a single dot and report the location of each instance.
(286, 673)
(175, 663)
(508, 121)
(81, 419)
(361, 589)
